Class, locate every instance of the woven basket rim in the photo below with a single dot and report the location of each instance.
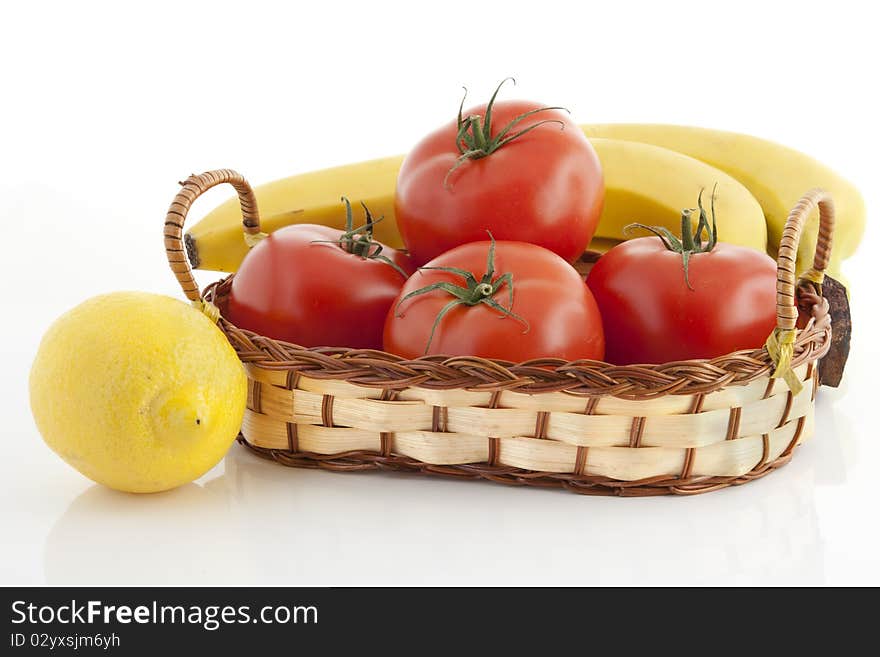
(381, 369)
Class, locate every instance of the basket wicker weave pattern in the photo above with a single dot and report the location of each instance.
(681, 427)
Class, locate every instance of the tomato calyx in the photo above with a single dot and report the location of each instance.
(473, 292)
(359, 241)
(691, 241)
(474, 138)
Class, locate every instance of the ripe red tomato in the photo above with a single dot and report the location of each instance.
(652, 314)
(544, 187)
(299, 285)
(552, 313)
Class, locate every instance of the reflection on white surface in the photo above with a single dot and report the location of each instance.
(259, 522)
(107, 537)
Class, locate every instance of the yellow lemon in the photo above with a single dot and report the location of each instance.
(139, 392)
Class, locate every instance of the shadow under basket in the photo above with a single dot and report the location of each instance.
(683, 427)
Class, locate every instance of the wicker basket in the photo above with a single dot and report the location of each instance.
(682, 427)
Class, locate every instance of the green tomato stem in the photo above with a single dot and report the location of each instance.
(359, 241)
(473, 138)
(472, 293)
(690, 242)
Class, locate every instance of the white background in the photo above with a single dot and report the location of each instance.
(106, 105)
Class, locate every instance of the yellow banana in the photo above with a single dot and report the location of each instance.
(651, 185)
(777, 176)
(643, 183)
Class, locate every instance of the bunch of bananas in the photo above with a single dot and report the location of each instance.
(651, 173)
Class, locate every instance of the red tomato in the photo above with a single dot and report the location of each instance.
(544, 187)
(297, 287)
(650, 314)
(553, 313)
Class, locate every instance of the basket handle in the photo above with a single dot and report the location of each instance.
(786, 283)
(191, 189)
(780, 343)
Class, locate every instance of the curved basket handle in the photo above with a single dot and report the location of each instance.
(780, 344)
(786, 284)
(193, 187)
